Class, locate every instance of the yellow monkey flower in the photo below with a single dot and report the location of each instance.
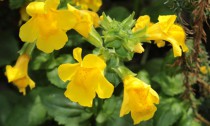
(88, 4)
(166, 30)
(139, 99)
(85, 20)
(18, 74)
(86, 79)
(47, 26)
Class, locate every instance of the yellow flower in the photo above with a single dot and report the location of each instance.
(85, 20)
(18, 74)
(89, 4)
(139, 99)
(165, 30)
(204, 70)
(47, 26)
(86, 79)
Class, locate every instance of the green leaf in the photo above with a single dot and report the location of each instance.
(42, 60)
(113, 78)
(53, 77)
(147, 123)
(168, 112)
(5, 109)
(109, 114)
(37, 113)
(168, 64)
(15, 4)
(110, 110)
(62, 109)
(29, 111)
(113, 44)
(8, 48)
(7, 100)
(144, 76)
(170, 85)
(153, 66)
(39, 60)
(188, 119)
(113, 12)
(124, 54)
(64, 58)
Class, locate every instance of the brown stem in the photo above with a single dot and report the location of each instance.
(202, 119)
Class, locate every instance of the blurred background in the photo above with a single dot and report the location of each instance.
(10, 44)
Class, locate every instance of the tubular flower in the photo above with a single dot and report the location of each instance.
(88, 4)
(47, 26)
(166, 30)
(18, 74)
(86, 79)
(139, 99)
(85, 20)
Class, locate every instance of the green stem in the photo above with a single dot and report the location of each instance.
(123, 71)
(27, 49)
(145, 55)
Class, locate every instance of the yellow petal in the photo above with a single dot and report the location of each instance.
(178, 33)
(125, 108)
(95, 18)
(83, 28)
(91, 61)
(77, 53)
(153, 96)
(52, 42)
(88, 4)
(165, 22)
(65, 19)
(43, 45)
(58, 39)
(67, 71)
(95, 5)
(154, 32)
(143, 115)
(31, 83)
(29, 31)
(80, 89)
(71, 8)
(51, 4)
(21, 84)
(138, 48)
(35, 8)
(141, 23)
(160, 43)
(104, 89)
(77, 93)
(13, 73)
(176, 49)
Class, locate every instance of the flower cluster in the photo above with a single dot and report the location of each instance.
(48, 27)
